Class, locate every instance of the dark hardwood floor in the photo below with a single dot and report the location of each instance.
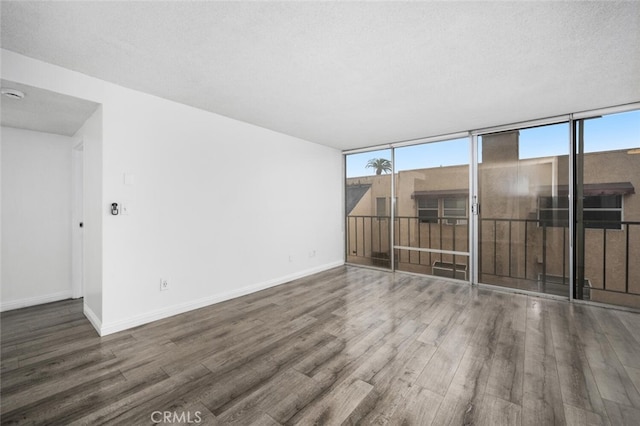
(349, 345)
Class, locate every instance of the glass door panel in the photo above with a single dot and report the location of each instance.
(432, 217)
(608, 209)
(368, 208)
(523, 228)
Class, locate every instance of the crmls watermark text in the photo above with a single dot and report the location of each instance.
(175, 417)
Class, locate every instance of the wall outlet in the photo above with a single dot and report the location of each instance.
(164, 284)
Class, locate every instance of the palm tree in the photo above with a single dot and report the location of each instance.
(380, 164)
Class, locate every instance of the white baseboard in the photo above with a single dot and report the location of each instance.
(32, 301)
(169, 311)
(92, 317)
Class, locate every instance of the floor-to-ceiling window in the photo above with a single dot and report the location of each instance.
(523, 228)
(608, 208)
(507, 207)
(368, 208)
(431, 232)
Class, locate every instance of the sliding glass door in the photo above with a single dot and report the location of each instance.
(523, 225)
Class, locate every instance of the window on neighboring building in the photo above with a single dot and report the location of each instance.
(599, 211)
(454, 210)
(381, 206)
(603, 211)
(428, 210)
(553, 211)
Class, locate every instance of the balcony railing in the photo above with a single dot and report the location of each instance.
(515, 240)
(510, 250)
(369, 242)
(536, 251)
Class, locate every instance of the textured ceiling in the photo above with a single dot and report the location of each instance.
(44, 111)
(348, 74)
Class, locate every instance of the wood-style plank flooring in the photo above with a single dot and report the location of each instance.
(349, 345)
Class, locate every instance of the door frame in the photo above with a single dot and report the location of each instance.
(77, 234)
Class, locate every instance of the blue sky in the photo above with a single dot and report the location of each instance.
(616, 131)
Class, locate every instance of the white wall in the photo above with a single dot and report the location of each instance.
(1, 219)
(218, 207)
(36, 217)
